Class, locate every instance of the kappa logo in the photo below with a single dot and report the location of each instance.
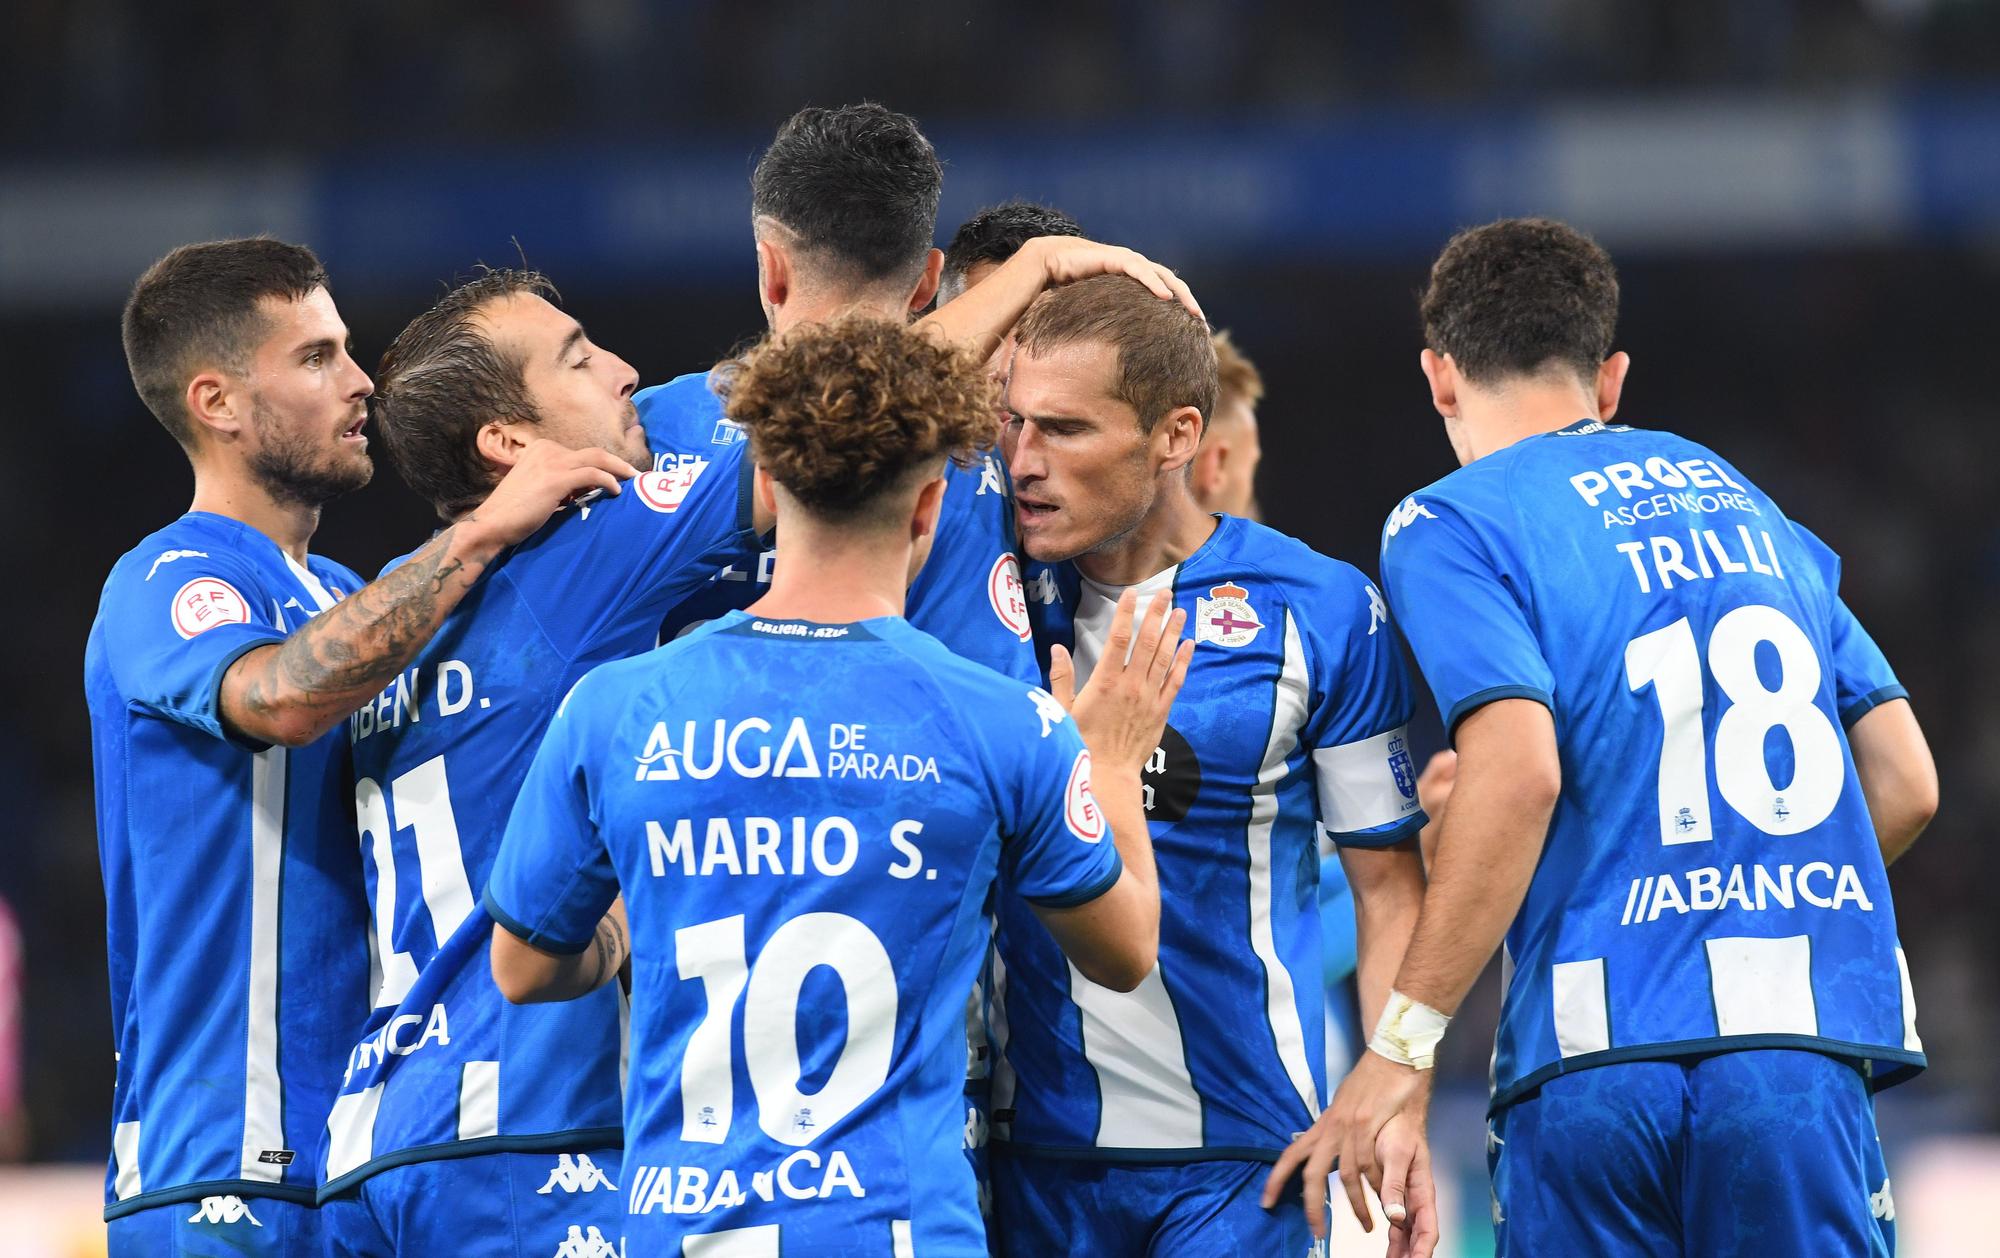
(1378, 610)
(1226, 618)
(1043, 589)
(664, 491)
(206, 602)
(588, 1242)
(170, 556)
(1004, 591)
(1405, 515)
(989, 477)
(576, 1174)
(1882, 1204)
(1046, 707)
(221, 1210)
(1080, 809)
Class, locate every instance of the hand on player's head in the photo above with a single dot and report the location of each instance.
(1123, 710)
(546, 476)
(1066, 259)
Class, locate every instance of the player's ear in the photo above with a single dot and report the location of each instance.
(774, 273)
(212, 404)
(500, 443)
(930, 501)
(1177, 437)
(1442, 373)
(1611, 383)
(767, 496)
(927, 286)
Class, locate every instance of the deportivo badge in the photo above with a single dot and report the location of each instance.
(1225, 617)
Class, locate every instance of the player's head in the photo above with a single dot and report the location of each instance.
(851, 423)
(1225, 468)
(1109, 389)
(1523, 303)
(844, 203)
(994, 235)
(237, 349)
(493, 366)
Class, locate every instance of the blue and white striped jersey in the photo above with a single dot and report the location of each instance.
(445, 1065)
(1292, 719)
(807, 821)
(236, 941)
(1711, 879)
(968, 593)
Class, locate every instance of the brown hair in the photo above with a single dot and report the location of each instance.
(1237, 378)
(1166, 358)
(443, 379)
(197, 308)
(842, 413)
(1516, 297)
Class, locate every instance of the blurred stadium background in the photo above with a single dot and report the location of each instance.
(1803, 197)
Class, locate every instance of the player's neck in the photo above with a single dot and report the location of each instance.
(1490, 420)
(836, 580)
(1175, 528)
(824, 307)
(234, 493)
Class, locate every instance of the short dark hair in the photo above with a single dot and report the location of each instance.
(1166, 358)
(197, 308)
(443, 379)
(997, 233)
(1514, 297)
(858, 185)
(842, 413)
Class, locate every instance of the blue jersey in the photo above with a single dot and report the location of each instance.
(446, 1066)
(238, 967)
(1292, 719)
(806, 821)
(1711, 878)
(968, 594)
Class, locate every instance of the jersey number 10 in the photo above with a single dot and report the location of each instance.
(1668, 661)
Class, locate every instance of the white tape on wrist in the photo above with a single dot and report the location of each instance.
(1409, 1032)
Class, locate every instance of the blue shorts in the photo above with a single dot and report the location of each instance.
(495, 1205)
(218, 1227)
(1044, 1206)
(1769, 1151)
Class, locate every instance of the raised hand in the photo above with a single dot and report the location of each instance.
(1123, 711)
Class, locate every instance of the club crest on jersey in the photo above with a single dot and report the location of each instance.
(206, 602)
(727, 432)
(1226, 618)
(1403, 767)
(664, 491)
(1008, 597)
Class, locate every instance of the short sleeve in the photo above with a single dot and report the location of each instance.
(1461, 611)
(1862, 678)
(631, 558)
(173, 624)
(1357, 729)
(553, 879)
(969, 594)
(1055, 849)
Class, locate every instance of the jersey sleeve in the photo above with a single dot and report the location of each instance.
(969, 594)
(553, 878)
(1054, 849)
(1357, 730)
(1862, 678)
(1460, 607)
(631, 558)
(173, 625)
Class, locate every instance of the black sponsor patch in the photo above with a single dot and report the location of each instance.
(1172, 778)
(277, 1157)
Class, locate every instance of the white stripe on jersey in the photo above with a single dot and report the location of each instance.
(351, 1131)
(1357, 785)
(311, 582)
(479, 1100)
(1132, 1040)
(736, 1242)
(1762, 986)
(1288, 716)
(263, 1090)
(1910, 1040)
(125, 1150)
(900, 1244)
(1582, 1017)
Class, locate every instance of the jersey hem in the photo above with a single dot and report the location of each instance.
(583, 1139)
(1075, 1153)
(1869, 702)
(1412, 824)
(1907, 1064)
(1082, 895)
(527, 934)
(1492, 694)
(209, 1188)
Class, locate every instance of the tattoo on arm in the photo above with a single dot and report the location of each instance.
(609, 948)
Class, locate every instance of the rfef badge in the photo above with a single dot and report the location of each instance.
(1225, 617)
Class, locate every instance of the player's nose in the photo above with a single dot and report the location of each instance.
(627, 377)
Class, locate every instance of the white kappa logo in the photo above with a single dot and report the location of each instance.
(588, 1243)
(223, 1210)
(206, 602)
(1378, 610)
(1406, 514)
(1225, 617)
(1047, 707)
(1009, 598)
(664, 491)
(576, 1174)
(1080, 802)
(170, 556)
